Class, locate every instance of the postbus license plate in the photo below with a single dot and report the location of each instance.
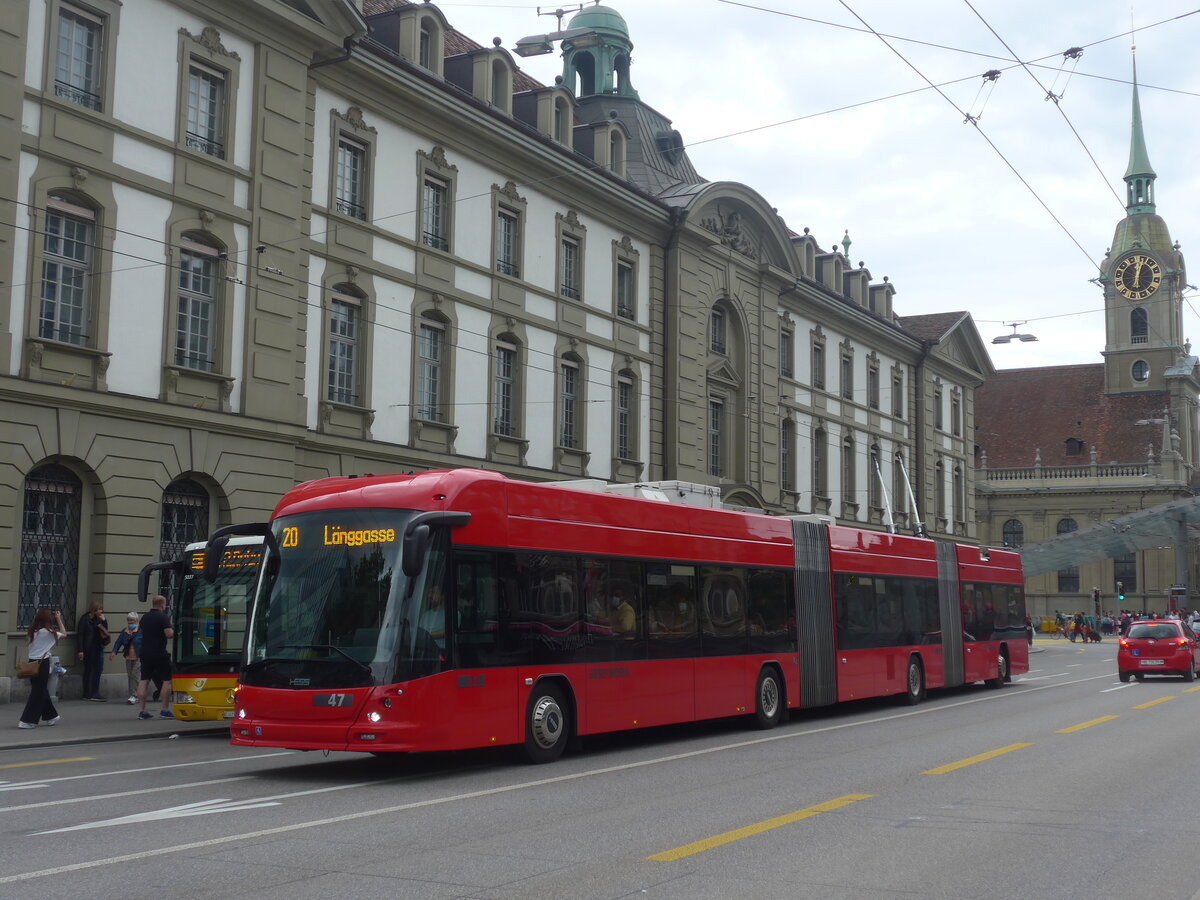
(332, 700)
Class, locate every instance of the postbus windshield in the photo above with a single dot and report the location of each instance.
(335, 610)
(211, 618)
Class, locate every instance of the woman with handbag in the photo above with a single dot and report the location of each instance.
(45, 631)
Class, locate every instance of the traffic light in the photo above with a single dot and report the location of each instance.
(1095, 595)
(1121, 591)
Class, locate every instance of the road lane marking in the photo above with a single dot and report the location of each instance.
(1042, 677)
(738, 834)
(931, 708)
(154, 790)
(203, 762)
(1151, 703)
(1088, 724)
(47, 762)
(1191, 690)
(972, 760)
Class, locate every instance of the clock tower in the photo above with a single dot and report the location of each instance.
(1144, 278)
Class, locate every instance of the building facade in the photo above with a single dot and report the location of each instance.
(248, 244)
(1104, 440)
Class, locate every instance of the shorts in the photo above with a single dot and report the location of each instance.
(156, 669)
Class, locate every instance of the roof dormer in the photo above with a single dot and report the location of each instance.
(417, 33)
(856, 285)
(879, 300)
(605, 143)
(487, 73)
(550, 110)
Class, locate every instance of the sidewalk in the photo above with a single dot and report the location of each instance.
(85, 721)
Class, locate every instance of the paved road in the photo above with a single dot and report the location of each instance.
(1066, 785)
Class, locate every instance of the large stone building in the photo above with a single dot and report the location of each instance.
(1107, 439)
(247, 243)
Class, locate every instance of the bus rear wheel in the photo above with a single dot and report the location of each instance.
(914, 683)
(768, 699)
(546, 730)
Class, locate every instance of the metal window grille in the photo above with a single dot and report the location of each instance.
(429, 373)
(77, 60)
(717, 329)
(434, 215)
(184, 521)
(194, 317)
(206, 111)
(349, 192)
(343, 350)
(66, 261)
(1013, 534)
(502, 389)
(49, 543)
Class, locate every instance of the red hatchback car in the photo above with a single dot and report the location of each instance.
(1158, 647)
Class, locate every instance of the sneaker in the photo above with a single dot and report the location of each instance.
(100, 699)
(53, 721)
(132, 701)
(145, 715)
(163, 714)
(26, 725)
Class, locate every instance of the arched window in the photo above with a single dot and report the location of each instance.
(1014, 534)
(1139, 327)
(1068, 578)
(562, 121)
(616, 151)
(49, 543)
(184, 521)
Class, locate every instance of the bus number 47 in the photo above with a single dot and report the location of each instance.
(332, 700)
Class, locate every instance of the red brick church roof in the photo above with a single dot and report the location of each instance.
(1021, 411)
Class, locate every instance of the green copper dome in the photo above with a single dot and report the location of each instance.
(601, 19)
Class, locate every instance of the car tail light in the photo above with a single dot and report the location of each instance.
(1124, 642)
(1181, 642)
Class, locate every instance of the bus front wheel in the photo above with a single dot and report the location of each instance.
(1001, 671)
(768, 699)
(546, 730)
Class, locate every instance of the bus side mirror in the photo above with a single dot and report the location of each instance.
(413, 554)
(213, 554)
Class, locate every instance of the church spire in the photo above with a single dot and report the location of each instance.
(1139, 175)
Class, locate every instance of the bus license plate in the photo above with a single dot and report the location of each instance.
(332, 700)
(227, 713)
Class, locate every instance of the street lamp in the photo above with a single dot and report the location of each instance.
(1005, 338)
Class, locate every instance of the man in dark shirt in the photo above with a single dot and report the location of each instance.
(156, 658)
(90, 638)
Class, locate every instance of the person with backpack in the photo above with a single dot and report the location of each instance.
(129, 645)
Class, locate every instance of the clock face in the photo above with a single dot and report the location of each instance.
(1137, 276)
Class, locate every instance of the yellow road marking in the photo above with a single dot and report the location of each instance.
(750, 830)
(971, 760)
(48, 762)
(1153, 703)
(1083, 725)
(1190, 690)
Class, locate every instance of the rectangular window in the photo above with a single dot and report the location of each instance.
(66, 261)
(787, 455)
(625, 296)
(625, 419)
(899, 486)
(503, 362)
(1125, 571)
(786, 353)
(77, 63)
(434, 215)
(206, 110)
(818, 367)
(939, 421)
(897, 396)
(716, 431)
(508, 243)
(197, 308)
(350, 196)
(955, 416)
(847, 377)
(343, 349)
(873, 387)
(568, 398)
(429, 373)
(874, 489)
(568, 267)
(819, 463)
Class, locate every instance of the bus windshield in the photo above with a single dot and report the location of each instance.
(336, 610)
(211, 618)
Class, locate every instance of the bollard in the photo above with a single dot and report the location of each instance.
(55, 680)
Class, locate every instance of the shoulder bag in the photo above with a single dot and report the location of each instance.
(28, 669)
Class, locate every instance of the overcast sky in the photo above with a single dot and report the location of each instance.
(840, 131)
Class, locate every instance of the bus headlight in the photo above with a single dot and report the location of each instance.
(180, 697)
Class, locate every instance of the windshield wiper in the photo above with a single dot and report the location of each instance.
(338, 650)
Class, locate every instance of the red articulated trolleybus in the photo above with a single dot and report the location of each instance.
(456, 609)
